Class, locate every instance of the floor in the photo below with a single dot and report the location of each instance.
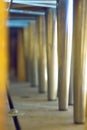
(36, 113)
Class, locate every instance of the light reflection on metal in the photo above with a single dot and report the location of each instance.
(52, 62)
(64, 51)
(17, 26)
(69, 31)
(17, 23)
(26, 12)
(35, 1)
(50, 4)
(69, 28)
(10, 4)
(43, 5)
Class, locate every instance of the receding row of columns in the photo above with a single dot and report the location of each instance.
(56, 59)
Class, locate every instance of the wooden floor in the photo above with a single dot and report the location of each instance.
(36, 113)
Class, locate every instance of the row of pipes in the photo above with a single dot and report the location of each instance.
(55, 49)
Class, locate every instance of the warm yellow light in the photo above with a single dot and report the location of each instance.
(3, 64)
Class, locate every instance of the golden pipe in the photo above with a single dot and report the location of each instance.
(80, 59)
(26, 40)
(26, 46)
(21, 72)
(3, 64)
(86, 105)
(64, 51)
(30, 50)
(52, 59)
(42, 65)
(37, 53)
(86, 65)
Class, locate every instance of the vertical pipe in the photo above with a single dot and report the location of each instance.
(86, 65)
(21, 72)
(52, 62)
(30, 55)
(42, 66)
(36, 55)
(33, 54)
(80, 59)
(37, 52)
(71, 101)
(3, 64)
(30, 52)
(86, 104)
(26, 42)
(64, 50)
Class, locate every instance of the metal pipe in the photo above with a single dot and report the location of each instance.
(36, 1)
(86, 105)
(42, 67)
(17, 23)
(39, 4)
(33, 55)
(80, 59)
(64, 50)
(25, 21)
(26, 12)
(26, 49)
(52, 63)
(71, 94)
(21, 72)
(31, 19)
(3, 65)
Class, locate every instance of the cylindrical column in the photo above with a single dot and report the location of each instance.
(52, 61)
(26, 46)
(33, 59)
(71, 101)
(80, 59)
(30, 44)
(21, 71)
(64, 51)
(42, 67)
(3, 65)
(86, 103)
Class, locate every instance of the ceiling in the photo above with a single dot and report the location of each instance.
(27, 10)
